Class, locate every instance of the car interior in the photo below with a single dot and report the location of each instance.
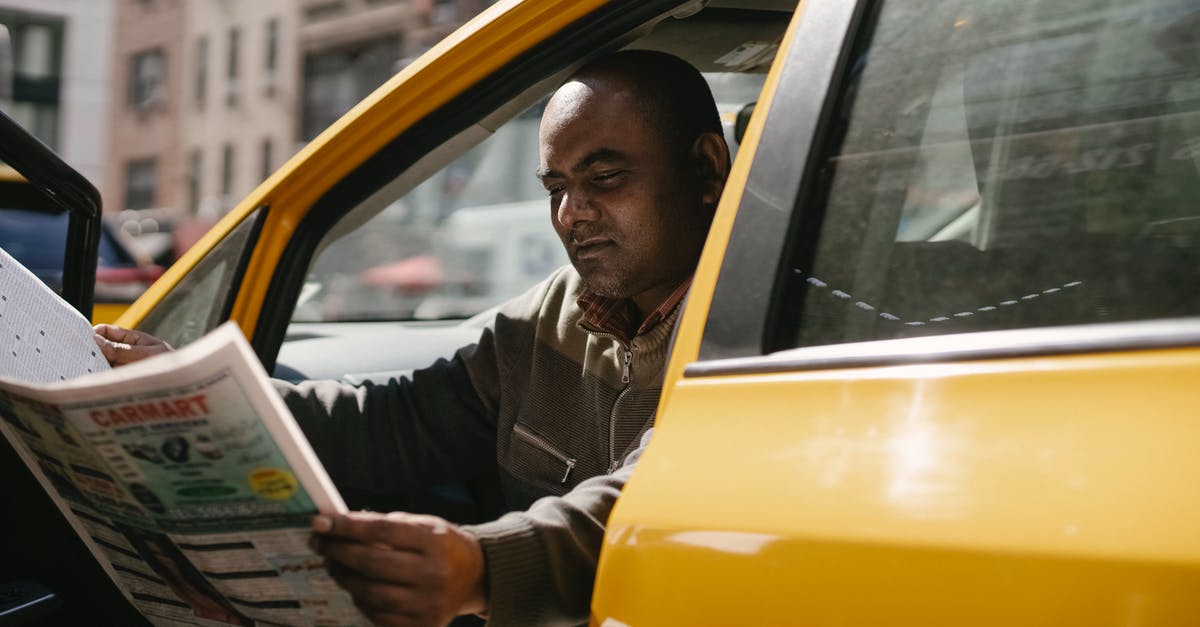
(733, 43)
(736, 39)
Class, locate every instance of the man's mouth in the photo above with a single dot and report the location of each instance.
(592, 246)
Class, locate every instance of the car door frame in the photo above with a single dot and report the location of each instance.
(67, 190)
(365, 150)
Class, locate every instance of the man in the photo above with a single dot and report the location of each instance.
(559, 393)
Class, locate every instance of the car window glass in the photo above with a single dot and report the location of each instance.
(202, 298)
(39, 241)
(1006, 165)
(471, 236)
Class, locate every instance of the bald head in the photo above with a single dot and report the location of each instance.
(672, 97)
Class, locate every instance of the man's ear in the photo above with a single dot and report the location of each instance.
(711, 156)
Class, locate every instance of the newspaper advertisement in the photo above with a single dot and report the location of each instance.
(189, 481)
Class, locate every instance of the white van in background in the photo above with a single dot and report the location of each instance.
(489, 254)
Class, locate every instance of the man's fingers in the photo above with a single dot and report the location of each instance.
(408, 563)
(122, 346)
(391, 619)
(374, 561)
(383, 603)
(376, 596)
(120, 353)
(397, 529)
(117, 334)
(107, 347)
(132, 337)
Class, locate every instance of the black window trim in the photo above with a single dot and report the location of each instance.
(962, 347)
(63, 187)
(259, 216)
(592, 34)
(751, 274)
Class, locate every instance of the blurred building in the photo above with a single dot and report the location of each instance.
(146, 138)
(212, 96)
(438, 18)
(61, 55)
(204, 94)
(241, 87)
(351, 47)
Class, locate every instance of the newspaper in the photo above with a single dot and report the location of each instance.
(184, 474)
(45, 340)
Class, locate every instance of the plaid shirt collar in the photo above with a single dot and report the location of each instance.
(616, 315)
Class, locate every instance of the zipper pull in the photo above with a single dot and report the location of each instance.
(628, 363)
(570, 467)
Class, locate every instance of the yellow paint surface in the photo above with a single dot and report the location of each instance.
(1039, 491)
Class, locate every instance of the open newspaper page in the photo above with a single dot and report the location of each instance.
(191, 483)
(45, 340)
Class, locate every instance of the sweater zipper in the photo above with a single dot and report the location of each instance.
(541, 443)
(627, 379)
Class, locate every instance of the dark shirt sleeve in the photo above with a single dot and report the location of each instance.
(405, 433)
(541, 563)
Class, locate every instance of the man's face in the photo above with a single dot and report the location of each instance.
(622, 200)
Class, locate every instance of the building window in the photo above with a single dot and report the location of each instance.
(35, 49)
(195, 172)
(445, 13)
(267, 158)
(141, 182)
(227, 173)
(201, 72)
(146, 79)
(271, 63)
(335, 80)
(325, 10)
(231, 70)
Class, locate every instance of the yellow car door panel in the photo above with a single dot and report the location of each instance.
(939, 369)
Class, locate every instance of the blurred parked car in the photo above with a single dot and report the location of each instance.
(37, 239)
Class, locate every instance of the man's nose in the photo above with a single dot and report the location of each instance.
(574, 206)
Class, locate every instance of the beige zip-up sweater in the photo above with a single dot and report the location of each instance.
(556, 409)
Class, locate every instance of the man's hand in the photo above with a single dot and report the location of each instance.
(403, 569)
(123, 346)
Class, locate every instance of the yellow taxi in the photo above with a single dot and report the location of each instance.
(938, 364)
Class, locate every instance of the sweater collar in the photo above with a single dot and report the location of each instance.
(616, 316)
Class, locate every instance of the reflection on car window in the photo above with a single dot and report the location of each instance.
(202, 299)
(1013, 165)
(471, 236)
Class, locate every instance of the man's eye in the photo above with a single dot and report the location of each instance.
(608, 179)
(554, 190)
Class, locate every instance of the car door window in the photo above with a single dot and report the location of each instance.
(1005, 165)
(203, 298)
(470, 236)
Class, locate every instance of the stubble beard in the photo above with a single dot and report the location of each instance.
(607, 280)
